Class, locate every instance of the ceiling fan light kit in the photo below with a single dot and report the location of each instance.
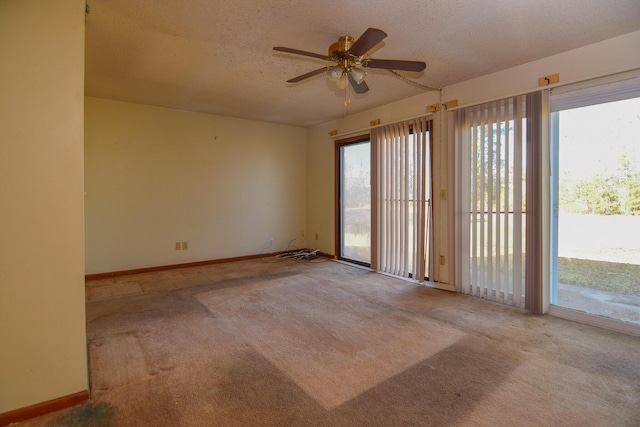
(351, 57)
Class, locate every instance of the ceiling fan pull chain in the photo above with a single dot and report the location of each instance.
(346, 95)
(347, 98)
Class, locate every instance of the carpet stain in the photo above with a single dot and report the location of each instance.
(91, 414)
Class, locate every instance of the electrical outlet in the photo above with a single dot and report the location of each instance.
(443, 194)
(178, 246)
(271, 239)
(185, 246)
(316, 236)
(442, 260)
(302, 234)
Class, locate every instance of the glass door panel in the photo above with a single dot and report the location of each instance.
(355, 202)
(597, 187)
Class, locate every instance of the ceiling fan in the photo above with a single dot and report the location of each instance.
(351, 56)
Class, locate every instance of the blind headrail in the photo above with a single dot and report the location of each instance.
(353, 132)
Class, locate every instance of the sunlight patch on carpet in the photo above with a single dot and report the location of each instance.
(333, 344)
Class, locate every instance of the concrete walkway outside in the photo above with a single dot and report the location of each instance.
(608, 304)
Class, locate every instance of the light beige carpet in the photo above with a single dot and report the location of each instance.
(267, 343)
(330, 342)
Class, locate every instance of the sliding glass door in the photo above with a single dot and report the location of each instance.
(354, 201)
(596, 228)
(383, 190)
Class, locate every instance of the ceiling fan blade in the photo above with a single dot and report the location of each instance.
(392, 64)
(358, 87)
(367, 40)
(307, 75)
(301, 52)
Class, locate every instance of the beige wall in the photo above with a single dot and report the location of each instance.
(610, 56)
(156, 176)
(42, 317)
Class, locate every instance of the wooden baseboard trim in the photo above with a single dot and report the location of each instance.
(326, 255)
(44, 408)
(175, 266)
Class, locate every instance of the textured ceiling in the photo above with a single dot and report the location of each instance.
(217, 57)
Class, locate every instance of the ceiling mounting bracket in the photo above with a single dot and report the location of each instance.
(548, 80)
(433, 108)
(450, 104)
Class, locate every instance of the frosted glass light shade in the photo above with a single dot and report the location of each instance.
(342, 81)
(358, 75)
(335, 72)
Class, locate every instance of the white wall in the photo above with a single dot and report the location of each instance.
(155, 176)
(610, 56)
(42, 317)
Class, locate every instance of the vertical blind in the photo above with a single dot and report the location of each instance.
(497, 215)
(400, 192)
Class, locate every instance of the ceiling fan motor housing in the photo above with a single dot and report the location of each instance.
(338, 50)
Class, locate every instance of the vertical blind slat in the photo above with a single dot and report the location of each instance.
(517, 205)
(389, 197)
(475, 125)
(490, 283)
(415, 204)
(420, 193)
(479, 225)
(375, 185)
(508, 206)
(405, 203)
(396, 216)
(499, 208)
(462, 124)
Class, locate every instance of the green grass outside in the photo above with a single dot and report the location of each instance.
(600, 275)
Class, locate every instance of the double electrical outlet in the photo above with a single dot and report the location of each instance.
(182, 246)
